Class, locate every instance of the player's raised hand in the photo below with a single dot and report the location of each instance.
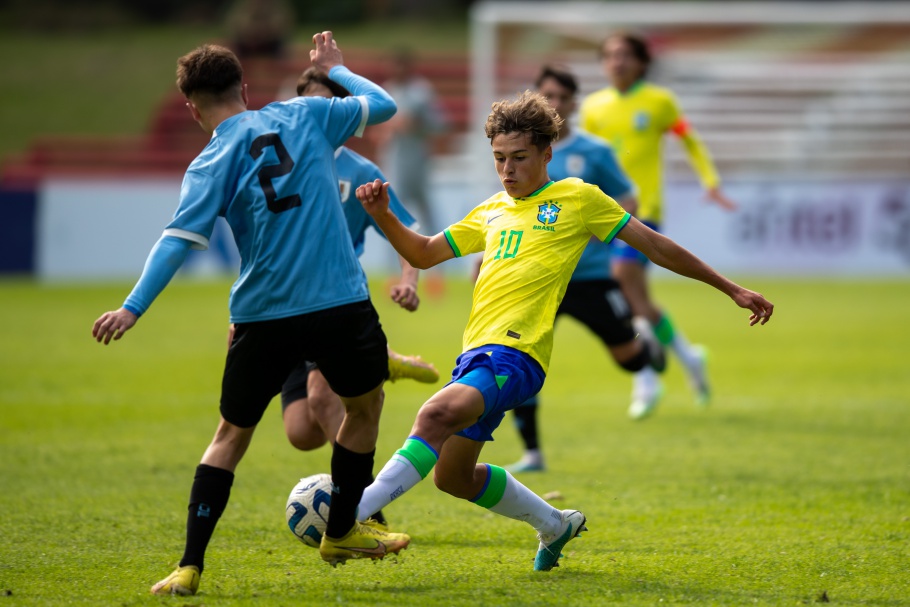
(720, 199)
(326, 55)
(761, 308)
(374, 196)
(112, 325)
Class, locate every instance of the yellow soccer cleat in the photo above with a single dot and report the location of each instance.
(411, 367)
(362, 542)
(371, 522)
(183, 581)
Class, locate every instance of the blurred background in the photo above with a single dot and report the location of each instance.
(804, 105)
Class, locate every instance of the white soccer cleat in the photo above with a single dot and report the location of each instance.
(531, 461)
(645, 396)
(698, 375)
(551, 545)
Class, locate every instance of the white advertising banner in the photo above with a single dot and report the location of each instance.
(817, 228)
(105, 228)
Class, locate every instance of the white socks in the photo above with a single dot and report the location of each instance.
(396, 477)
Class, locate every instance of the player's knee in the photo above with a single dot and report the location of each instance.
(438, 419)
(637, 362)
(306, 440)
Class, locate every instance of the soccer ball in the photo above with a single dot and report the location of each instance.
(308, 508)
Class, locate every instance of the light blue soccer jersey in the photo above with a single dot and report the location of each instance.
(271, 174)
(355, 170)
(592, 161)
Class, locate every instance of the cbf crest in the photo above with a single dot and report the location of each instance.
(548, 212)
(641, 121)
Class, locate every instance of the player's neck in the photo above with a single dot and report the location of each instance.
(218, 114)
(625, 87)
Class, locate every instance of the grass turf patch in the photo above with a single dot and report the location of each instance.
(790, 488)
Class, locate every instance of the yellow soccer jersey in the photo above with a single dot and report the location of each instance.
(530, 249)
(634, 123)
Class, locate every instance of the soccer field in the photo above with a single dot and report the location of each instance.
(793, 487)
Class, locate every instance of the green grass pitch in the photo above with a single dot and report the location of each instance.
(792, 488)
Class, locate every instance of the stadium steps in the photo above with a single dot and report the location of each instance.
(173, 139)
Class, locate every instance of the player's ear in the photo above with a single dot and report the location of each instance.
(245, 94)
(194, 111)
(548, 154)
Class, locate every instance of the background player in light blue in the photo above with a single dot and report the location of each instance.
(593, 297)
(311, 411)
(301, 293)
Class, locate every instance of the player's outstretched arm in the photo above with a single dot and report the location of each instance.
(666, 253)
(163, 262)
(420, 251)
(716, 196)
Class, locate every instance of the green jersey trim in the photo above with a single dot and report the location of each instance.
(537, 191)
(622, 223)
(452, 243)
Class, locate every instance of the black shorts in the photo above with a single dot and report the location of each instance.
(294, 387)
(347, 342)
(600, 306)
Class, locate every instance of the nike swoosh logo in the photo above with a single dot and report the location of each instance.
(378, 550)
(490, 220)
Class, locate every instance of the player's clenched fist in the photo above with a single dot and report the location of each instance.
(374, 196)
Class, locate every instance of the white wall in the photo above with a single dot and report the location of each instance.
(101, 229)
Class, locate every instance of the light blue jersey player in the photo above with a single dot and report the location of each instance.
(592, 297)
(301, 293)
(591, 160)
(354, 170)
(311, 412)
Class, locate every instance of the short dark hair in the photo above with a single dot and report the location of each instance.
(560, 74)
(210, 71)
(530, 114)
(637, 44)
(312, 75)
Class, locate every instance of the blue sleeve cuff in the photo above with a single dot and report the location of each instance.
(380, 104)
(165, 259)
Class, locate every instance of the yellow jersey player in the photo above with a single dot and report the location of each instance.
(531, 235)
(634, 115)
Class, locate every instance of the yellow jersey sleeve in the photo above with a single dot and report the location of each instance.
(467, 236)
(602, 215)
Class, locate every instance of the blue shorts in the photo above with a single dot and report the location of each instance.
(505, 376)
(627, 254)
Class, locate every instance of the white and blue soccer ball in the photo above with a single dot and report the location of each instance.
(308, 508)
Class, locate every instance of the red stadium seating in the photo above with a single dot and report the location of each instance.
(173, 139)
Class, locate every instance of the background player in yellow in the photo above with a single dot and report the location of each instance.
(633, 115)
(532, 235)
